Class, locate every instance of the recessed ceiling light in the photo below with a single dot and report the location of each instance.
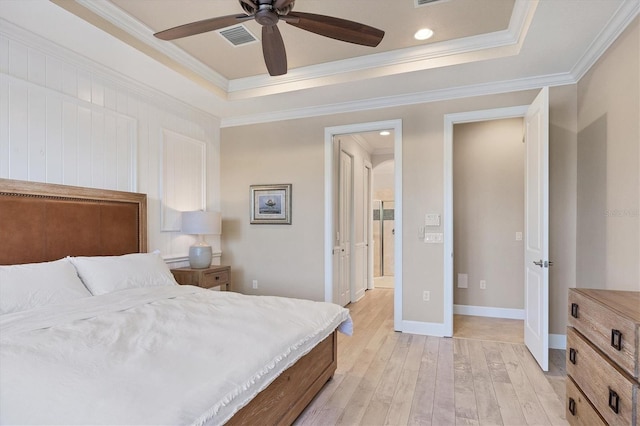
(385, 133)
(423, 34)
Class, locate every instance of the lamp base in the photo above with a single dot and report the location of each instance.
(200, 256)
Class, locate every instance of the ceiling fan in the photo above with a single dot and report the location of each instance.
(268, 13)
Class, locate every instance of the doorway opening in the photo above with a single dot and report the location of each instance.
(536, 213)
(488, 221)
(351, 253)
(383, 242)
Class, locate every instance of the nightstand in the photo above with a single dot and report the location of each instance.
(213, 276)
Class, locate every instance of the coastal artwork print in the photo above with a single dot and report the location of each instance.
(271, 204)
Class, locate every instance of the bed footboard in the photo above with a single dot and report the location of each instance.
(287, 396)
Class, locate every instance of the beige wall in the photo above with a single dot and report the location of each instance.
(488, 200)
(608, 235)
(290, 260)
(562, 202)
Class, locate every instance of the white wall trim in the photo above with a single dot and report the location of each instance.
(557, 341)
(117, 16)
(490, 312)
(616, 25)
(449, 121)
(180, 260)
(459, 92)
(329, 133)
(67, 56)
(424, 328)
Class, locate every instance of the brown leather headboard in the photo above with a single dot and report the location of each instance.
(41, 222)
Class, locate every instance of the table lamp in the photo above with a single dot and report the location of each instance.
(201, 223)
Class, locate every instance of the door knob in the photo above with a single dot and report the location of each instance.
(538, 263)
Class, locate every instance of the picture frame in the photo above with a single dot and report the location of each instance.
(271, 204)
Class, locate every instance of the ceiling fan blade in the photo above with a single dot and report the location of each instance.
(336, 28)
(279, 4)
(275, 56)
(201, 26)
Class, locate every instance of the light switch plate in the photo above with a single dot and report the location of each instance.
(432, 219)
(434, 237)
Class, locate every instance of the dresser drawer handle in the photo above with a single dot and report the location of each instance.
(572, 406)
(616, 339)
(572, 355)
(614, 400)
(574, 310)
(217, 278)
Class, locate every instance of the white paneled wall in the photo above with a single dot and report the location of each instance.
(64, 119)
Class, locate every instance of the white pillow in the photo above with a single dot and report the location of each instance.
(31, 285)
(104, 274)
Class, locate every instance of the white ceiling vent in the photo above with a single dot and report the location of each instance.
(237, 35)
(419, 3)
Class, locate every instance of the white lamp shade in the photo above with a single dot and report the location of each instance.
(201, 223)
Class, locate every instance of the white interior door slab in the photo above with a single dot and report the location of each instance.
(344, 236)
(536, 257)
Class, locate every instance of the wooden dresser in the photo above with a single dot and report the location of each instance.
(602, 357)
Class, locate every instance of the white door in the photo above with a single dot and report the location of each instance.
(344, 227)
(536, 256)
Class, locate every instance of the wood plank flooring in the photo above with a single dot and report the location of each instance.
(389, 378)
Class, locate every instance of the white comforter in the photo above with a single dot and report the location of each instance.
(168, 355)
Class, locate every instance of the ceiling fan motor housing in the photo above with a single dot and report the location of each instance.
(253, 7)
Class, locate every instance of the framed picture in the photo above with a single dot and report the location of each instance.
(271, 204)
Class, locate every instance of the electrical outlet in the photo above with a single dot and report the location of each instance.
(483, 285)
(426, 296)
(255, 283)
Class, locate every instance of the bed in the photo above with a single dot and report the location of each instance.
(138, 348)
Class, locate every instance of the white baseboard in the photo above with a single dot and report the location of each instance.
(423, 328)
(557, 341)
(486, 311)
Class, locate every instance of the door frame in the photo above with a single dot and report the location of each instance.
(329, 226)
(449, 121)
(369, 224)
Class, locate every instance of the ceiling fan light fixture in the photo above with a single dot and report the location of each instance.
(423, 34)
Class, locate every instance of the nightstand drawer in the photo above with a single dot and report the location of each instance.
(214, 278)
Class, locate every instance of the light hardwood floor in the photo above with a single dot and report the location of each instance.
(389, 378)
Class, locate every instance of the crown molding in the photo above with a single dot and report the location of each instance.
(616, 25)
(394, 62)
(482, 89)
(118, 17)
(378, 64)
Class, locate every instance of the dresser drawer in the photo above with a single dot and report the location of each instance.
(212, 279)
(579, 410)
(607, 387)
(609, 319)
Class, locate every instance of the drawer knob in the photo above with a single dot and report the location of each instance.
(616, 339)
(614, 401)
(572, 355)
(217, 278)
(572, 406)
(574, 310)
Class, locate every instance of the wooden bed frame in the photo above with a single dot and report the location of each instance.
(42, 222)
